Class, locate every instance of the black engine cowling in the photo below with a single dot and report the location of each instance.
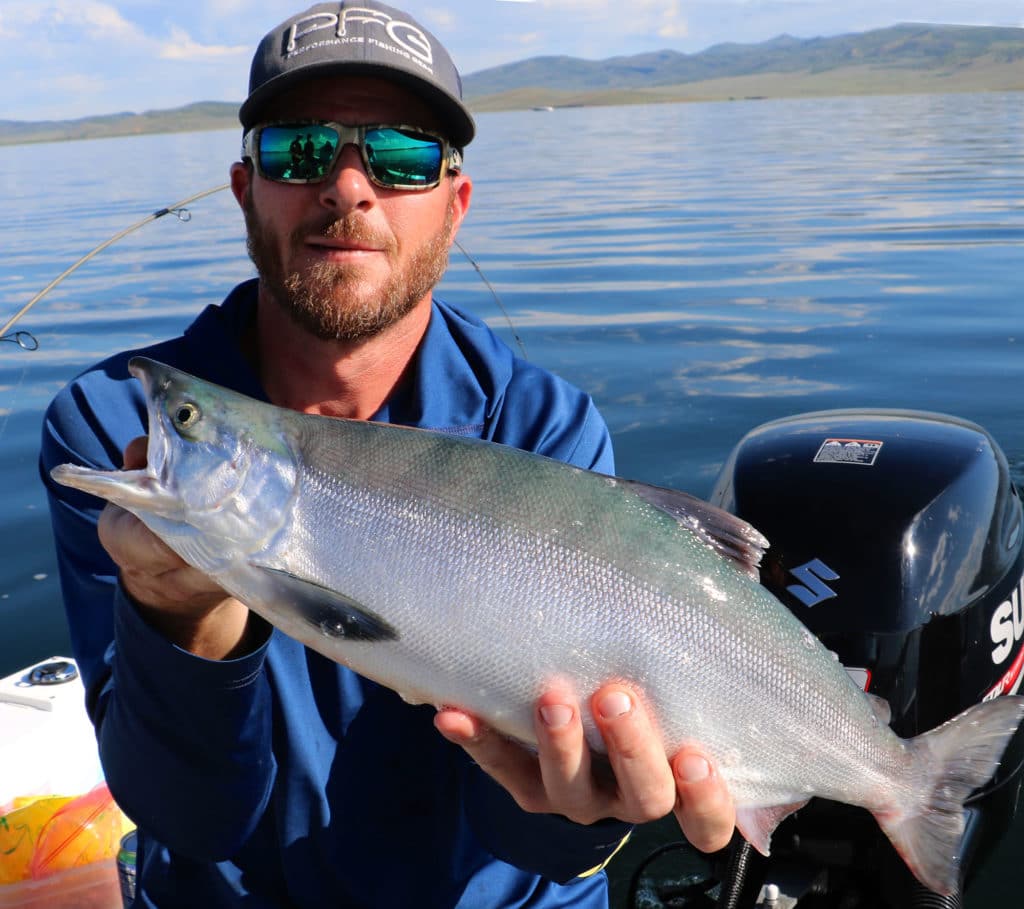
(897, 538)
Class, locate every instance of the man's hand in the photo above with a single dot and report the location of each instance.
(559, 778)
(176, 599)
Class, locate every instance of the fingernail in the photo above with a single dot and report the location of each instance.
(556, 716)
(613, 704)
(693, 768)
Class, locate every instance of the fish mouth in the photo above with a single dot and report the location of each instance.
(140, 490)
(157, 382)
(133, 490)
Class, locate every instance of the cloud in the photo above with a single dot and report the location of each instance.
(598, 26)
(75, 58)
(99, 20)
(673, 24)
(443, 18)
(64, 35)
(66, 20)
(673, 30)
(225, 9)
(181, 46)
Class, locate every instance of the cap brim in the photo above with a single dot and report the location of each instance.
(456, 120)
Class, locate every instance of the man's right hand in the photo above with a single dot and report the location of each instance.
(558, 777)
(179, 601)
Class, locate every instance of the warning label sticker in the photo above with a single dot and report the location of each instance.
(848, 451)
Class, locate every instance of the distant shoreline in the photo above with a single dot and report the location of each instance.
(732, 89)
(846, 82)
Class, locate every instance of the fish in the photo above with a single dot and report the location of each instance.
(467, 573)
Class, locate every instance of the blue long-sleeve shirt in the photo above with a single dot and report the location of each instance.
(281, 779)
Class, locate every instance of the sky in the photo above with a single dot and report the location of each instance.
(66, 59)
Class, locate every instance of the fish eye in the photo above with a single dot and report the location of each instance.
(186, 415)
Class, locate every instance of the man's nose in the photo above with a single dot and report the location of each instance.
(348, 186)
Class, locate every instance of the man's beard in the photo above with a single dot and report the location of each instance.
(325, 299)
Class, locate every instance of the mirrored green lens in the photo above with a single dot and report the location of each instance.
(403, 158)
(301, 152)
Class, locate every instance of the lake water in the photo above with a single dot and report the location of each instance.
(700, 269)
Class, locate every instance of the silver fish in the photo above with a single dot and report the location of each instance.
(467, 573)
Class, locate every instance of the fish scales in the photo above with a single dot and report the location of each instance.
(526, 531)
(462, 572)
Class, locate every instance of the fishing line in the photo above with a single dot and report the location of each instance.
(497, 299)
(26, 340)
(6, 412)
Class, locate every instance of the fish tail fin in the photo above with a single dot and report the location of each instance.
(951, 761)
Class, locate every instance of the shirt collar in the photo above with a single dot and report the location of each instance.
(455, 381)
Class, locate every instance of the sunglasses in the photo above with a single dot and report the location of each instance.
(395, 157)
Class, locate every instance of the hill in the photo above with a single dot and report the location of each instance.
(939, 48)
(905, 58)
(198, 116)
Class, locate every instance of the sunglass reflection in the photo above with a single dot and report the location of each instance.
(395, 157)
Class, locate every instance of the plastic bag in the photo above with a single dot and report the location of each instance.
(85, 830)
(19, 832)
(54, 833)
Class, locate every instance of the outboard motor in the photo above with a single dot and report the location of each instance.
(897, 538)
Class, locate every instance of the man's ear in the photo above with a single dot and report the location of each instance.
(241, 181)
(462, 193)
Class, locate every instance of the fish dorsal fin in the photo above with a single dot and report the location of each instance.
(758, 824)
(330, 613)
(727, 534)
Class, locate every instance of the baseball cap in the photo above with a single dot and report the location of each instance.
(359, 37)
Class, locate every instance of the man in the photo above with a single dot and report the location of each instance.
(261, 774)
(295, 150)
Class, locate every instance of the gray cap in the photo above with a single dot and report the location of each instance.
(359, 37)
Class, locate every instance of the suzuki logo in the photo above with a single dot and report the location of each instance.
(1007, 625)
(813, 590)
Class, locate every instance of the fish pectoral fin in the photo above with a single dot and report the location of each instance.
(727, 534)
(758, 824)
(332, 613)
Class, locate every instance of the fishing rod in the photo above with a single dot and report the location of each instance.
(25, 339)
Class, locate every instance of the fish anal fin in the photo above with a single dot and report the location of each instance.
(881, 708)
(727, 534)
(329, 612)
(758, 824)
